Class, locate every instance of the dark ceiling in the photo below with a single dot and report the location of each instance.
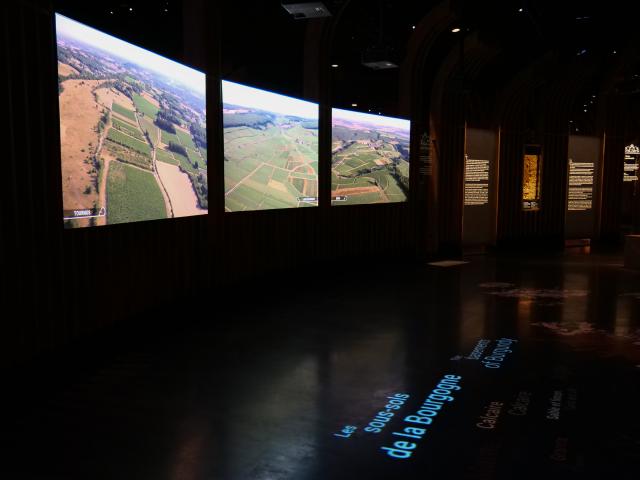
(154, 25)
(264, 46)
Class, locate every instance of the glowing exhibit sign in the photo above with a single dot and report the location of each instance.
(584, 154)
(476, 181)
(426, 162)
(580, 185)
(480, 169)
(531, 177)
(630, 173)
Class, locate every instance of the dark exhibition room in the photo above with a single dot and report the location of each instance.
(415, 253)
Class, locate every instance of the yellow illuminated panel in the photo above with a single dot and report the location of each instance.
(531, 181)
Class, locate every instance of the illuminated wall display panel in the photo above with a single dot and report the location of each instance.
(425, 158)
(476, 181)
(580, 191)
(531, 177)
(582, 185)
(132, 131)
(270, 150)
(479, 213)
(630, 173)
(370, 158)
(630, 207)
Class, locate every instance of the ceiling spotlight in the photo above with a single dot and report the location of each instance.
(131, 9)
(413, 27)
(335, 65)
(455, 30)
(521, 10)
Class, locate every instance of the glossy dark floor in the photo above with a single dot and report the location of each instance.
(503, 368)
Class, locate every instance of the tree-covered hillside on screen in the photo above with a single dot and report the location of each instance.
(370, 158)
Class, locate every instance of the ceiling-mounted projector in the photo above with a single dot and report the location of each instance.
(301, 10)
(378, 58)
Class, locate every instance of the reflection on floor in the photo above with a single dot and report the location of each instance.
(501, 368)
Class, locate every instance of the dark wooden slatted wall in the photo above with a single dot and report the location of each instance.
(536, 112)
(65, 285)
(619, 125)
(451, 169)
